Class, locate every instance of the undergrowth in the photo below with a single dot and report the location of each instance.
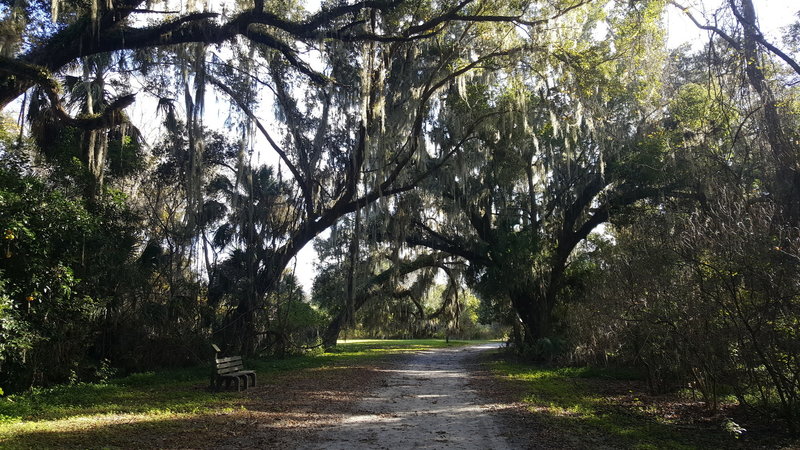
(571, 401)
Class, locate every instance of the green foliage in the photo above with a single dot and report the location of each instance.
(517, 255)
(505, 168)
(699, 286)
(471, 325)
(791, 35)
(291, 323)
(56, 256)
(9, 133)
(329, 290)
(126, 155)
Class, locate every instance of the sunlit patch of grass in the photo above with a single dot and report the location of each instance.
(373, 346)
(89, 422)
(162, 393)
(162, 399)
(563, 398)
(351, 352)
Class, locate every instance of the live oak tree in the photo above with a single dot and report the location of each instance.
(562, 141)
(481, 139)
(360, 137)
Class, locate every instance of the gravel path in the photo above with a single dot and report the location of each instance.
(424, 403)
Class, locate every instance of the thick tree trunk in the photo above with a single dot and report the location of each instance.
(331, 335)
(535, 313)
(534, 303)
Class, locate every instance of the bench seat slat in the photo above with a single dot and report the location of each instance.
(229, 363)
(226, 365)
(236, 374)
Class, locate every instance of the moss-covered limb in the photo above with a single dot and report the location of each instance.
(22, 73)
(373, 287)
(111, 32)
(35, 74)
(110, 117)
(18, 76)
(60, 48)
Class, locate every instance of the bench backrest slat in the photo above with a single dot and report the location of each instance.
(229, 358)
(230, 364)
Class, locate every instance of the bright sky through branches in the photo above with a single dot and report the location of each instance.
(773, 15)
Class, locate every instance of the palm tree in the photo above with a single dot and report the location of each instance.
(257, 221)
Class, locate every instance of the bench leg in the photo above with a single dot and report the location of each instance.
(243, 381)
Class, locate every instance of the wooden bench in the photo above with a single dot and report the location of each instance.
(231, 369)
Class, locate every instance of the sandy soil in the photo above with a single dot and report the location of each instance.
(425, 401)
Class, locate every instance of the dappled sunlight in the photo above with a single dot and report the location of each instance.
(258, 415)
(294, 397)
(457, 413)
(133, 401)
(427, 403)
(87, 422)
(591, 407)
(409, 374)
(156, 430)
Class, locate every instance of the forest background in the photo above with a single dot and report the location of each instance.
(451, 162)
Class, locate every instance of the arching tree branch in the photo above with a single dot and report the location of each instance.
(111, 115)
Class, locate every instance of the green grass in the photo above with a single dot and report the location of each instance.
(180, 391)
(564, 399)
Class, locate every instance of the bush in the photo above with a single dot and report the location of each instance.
(57, 262)
(709, 301)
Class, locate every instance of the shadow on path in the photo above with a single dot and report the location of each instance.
(425, 403)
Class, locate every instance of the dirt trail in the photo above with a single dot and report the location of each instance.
(425, 402)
